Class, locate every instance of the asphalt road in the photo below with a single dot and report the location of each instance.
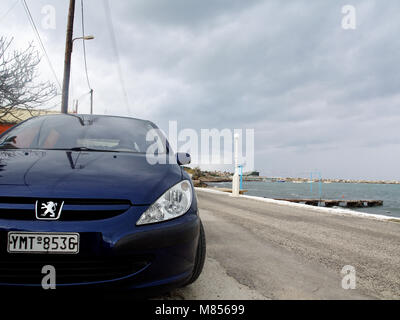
(258, 250)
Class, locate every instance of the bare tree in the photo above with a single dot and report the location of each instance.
(19, 85)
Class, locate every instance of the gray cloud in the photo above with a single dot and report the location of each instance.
(313, 92)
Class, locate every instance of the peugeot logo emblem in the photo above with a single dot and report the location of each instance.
(48, 210)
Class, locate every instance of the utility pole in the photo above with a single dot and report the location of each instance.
(91, 101)
(68, 52)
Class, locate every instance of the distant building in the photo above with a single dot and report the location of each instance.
(19, 115)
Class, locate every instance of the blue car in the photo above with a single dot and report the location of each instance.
(99, 199)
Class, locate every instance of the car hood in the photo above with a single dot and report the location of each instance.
(89, 175)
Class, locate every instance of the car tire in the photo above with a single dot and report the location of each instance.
(200, 256)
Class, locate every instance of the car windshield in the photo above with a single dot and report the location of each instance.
(78, 133)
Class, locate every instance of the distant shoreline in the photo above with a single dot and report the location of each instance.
(201, 178)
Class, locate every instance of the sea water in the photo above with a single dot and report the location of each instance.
(389, 193)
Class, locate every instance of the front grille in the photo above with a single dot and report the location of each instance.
(74, 270)
(73, 209)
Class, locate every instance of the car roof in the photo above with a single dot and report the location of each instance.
(88, 117)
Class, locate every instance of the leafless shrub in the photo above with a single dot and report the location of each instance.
(19, 85)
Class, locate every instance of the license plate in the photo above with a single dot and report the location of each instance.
(33, 242)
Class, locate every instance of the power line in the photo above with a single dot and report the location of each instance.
(9, 10)
(116, 53)
(83, 95)
(35, 30)
(59, 103)
(84, 45)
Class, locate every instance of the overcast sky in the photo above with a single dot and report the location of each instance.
(320, 98)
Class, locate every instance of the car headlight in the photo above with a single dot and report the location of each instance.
(175, 202)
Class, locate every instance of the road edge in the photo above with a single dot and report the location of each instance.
(342, 212)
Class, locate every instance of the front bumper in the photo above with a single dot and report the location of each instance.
(113, 253)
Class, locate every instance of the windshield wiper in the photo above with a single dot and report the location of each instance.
(8, 146)
(84, 149)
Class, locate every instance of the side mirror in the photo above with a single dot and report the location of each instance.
(183, 158)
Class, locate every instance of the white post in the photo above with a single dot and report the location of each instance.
(235, 180)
